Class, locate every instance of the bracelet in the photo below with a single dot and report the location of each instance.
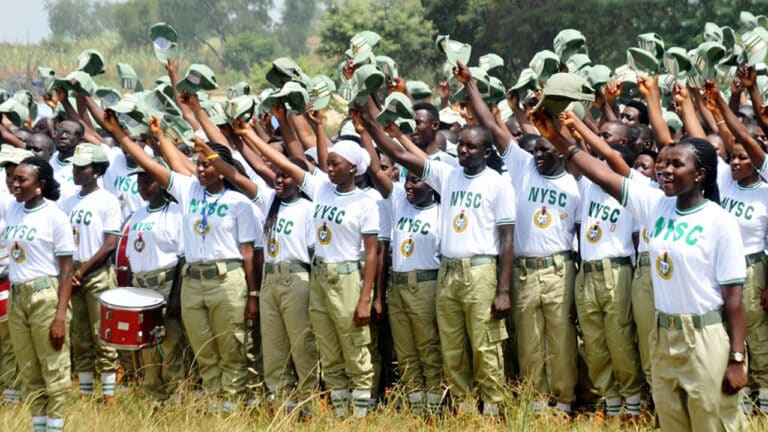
(254, 293)
(212, 156)
(572, 152)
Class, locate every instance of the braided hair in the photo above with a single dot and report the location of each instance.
(705, 156)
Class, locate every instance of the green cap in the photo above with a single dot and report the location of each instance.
(176, 129)
(215, 111)
(165, 42)
(46, 75)
(108, 95)
(13, 155)
(450, 117)
(346, 89)
(241, 107)
(483, 85)
(748, 21)
(283, 70)
(577, 108)
(598, 75)
(578, 62)
(454, 51)
(361, 47)
(490, 62)
(396, 105)
(418, 89)
(91, 62)
(651, 42)
(706, 57)
(163, 79)
(642, 61)
(569, 42)
(320, 92)
(294, 95)
(140, 169)
(240, 89)
(128, 76)
(526, 81)
(496, 90)
(562, 89)
(130, 112)
(387, 65)
(14, 111)
(755, 44)
(367, 79)
(406, 126)
(198, 77)
(676, 61)
(159, 100)
(25, 98)
(713, 33)
(628, 77)
(86, 154)
(673, 121)
(545, 64)
(4, 95)
(505, 112)
(266, 103)
(77, 81)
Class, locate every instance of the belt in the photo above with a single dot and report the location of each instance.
(421, 276)
(211, 271)
(37, 284)
(597, 265)
(542, 262)
(476, 260)
(755, 258)
(293, 267)
(644, 259)
(672, 321)
(153, 281)
(341, 268)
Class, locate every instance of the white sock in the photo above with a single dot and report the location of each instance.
(613, 406)
(490, 409)
(416, 399)
(55, 425)
(339, 400)
(361, 400)
(433, 402)
(86, 383)
(108, 381)
(762, 398)
(539, 405)
(38, 423)
(633, 404)
(11, 396)
(563, 407)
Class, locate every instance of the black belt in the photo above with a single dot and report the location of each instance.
(597, 265)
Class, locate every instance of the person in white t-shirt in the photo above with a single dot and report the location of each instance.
(94, 215)
(41, 248)
(697, 349)
(340, 294)
(154, 244)
(222, 231)
(68, 135)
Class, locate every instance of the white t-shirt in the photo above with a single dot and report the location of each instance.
(385, 217)
(749, 206)
(91, 217)
(6, 200)
(472, 207)
(62, 172)
(415, 234)
(341, 219)
(606, 227)
(293, 233)
(122, 185)
(692, 252)
(547, 207)
(439, 155)
(214, 226)
(155, 240)
(35, 238)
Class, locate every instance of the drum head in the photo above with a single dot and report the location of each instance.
(131, 298)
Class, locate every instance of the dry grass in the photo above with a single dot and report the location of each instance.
(135, 412)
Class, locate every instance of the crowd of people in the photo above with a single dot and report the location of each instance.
(598, 235)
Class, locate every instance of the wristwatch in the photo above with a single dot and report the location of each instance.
(736, 357)
(256, 294)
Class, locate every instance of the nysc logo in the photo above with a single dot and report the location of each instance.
(542, 218)
(664, 266)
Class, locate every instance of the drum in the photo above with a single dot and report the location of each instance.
(5, 293)
(122, 266)
(131, 318)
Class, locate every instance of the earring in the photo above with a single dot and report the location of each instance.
(95, 176)
(38, 192)
(221, 177)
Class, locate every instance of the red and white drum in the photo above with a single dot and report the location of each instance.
(122, 266)
(5, 294)
(131, 318)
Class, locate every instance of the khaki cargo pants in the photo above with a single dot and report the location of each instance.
(757, 322)
(88, 350)
(643, 312)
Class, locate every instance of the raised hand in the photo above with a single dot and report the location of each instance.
(747, 75)
(462, 73)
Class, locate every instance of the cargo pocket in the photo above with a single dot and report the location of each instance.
(57, 367)
(762, 333)
(361, 337)
(497, 331)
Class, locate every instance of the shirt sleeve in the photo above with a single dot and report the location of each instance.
(63, 240)
(728, 270)
(639, 200)
(504, 204)
(385, 219)
(178, 186)
(435, 173)
(311, 184)
(517, 161)
(370, 218)
(249, 225)
(309, 228)
(112, 216)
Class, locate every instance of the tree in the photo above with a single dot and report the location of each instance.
(296, 24)
(245, 50)
(76, 19)
(405, 35)
(133, 20)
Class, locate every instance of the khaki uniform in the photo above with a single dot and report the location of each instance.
(290, 355)
(213, 301)
(643, 312)
(411, 305)
(757, 321)
(164, 365)
(8, 372)
(88, 350)
(690, 359)
(604, 307)
(466, 289)
(543, 296)
(44, 372)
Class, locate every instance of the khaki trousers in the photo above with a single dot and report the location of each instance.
(604, 307)
(213, 312)
(546, 338)
(687, 373)
(8, 373)
(291, 359)
(464, 298)
(757, 323)
(44, 372)
(643, 314)
(88, 350)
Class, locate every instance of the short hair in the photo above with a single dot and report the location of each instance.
(484, 131)
(654, 155)
(626, 154)
(626, 130)
(434, 115)
(642, 108)
(45, 174)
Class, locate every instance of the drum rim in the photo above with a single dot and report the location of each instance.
(160, 300)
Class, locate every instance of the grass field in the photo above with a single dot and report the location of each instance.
(135, 412)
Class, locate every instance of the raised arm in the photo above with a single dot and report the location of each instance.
(614, 159)
(303, 131)
(748, 77)
(172, 68)
(323, 142)
(211, 130)
(7, 137)
(411, 161)
(277, 158)
(501, 136)
(722, 129)
(688, 112)
(649, 88)
(175, 158)
(255, 160)
(248, 187)
(380, 179)
(159, 172)
(756, 154)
